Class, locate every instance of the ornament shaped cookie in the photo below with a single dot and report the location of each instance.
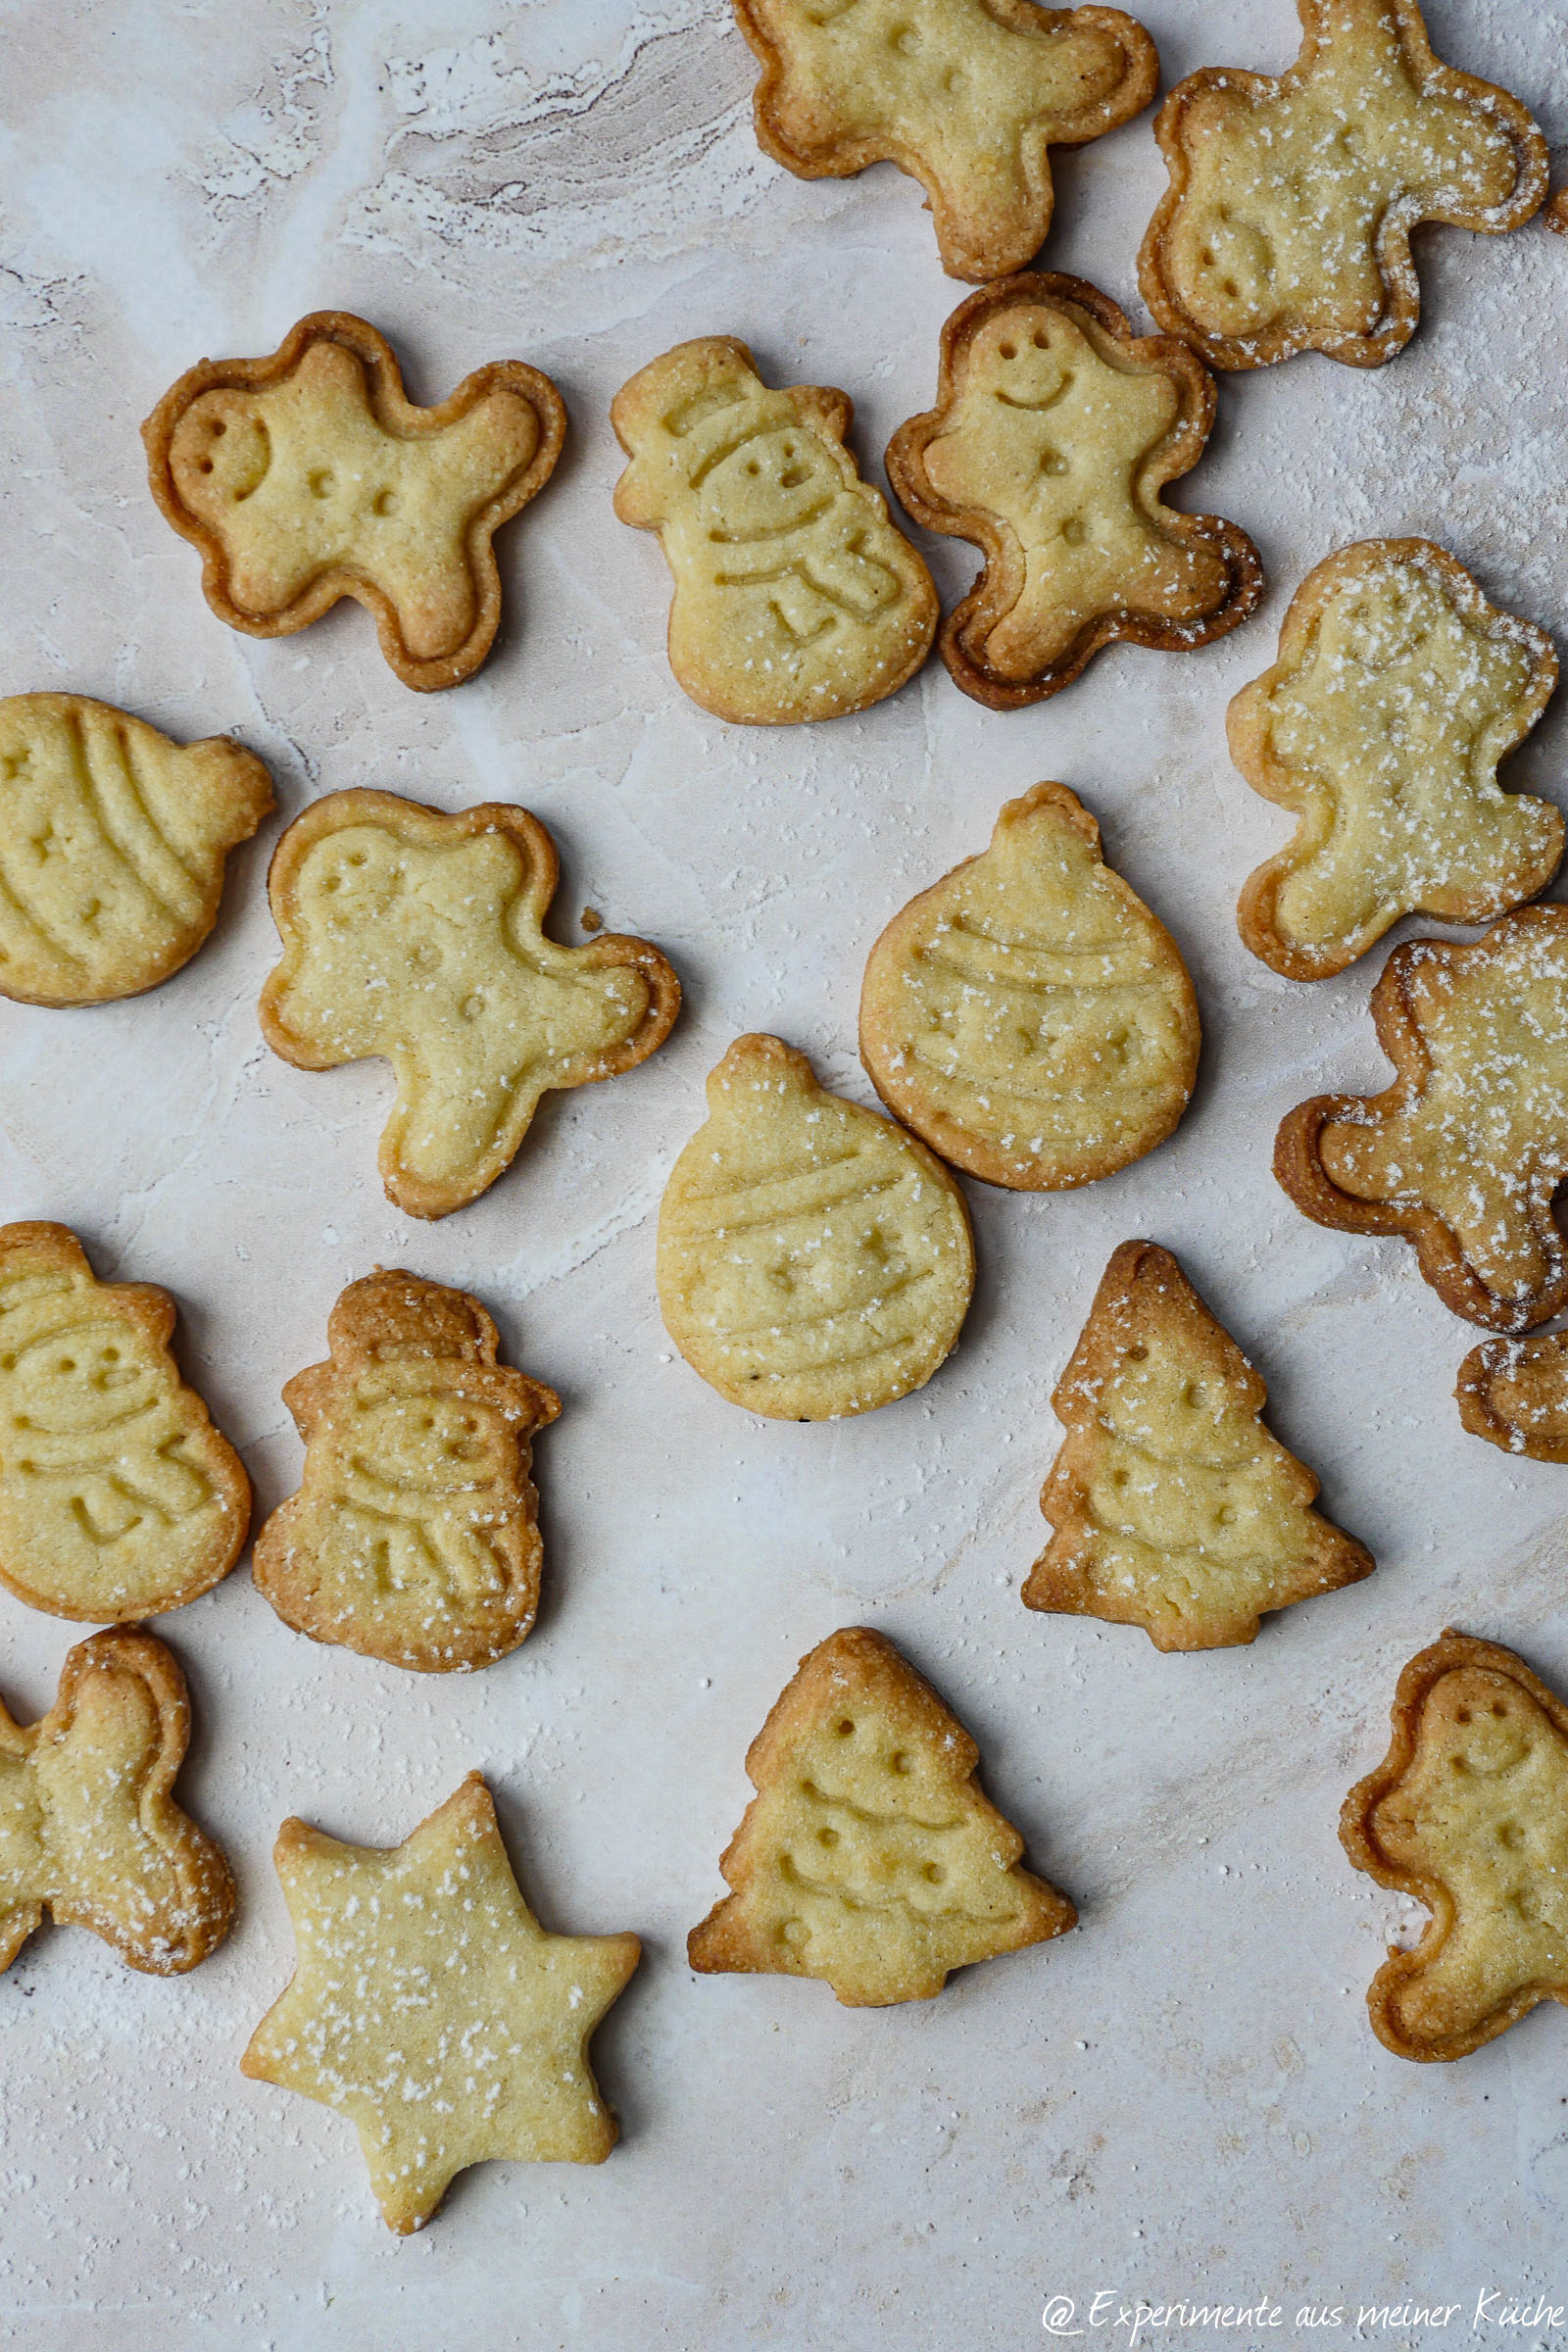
(414, 1534)
(1397, 690)
(1468, 1812)
(118, 1497)
(89, 1831)
(1055, 432)
(869, 1856)
(794, 596)
(416, 937)
(1172, 1506)
(1464, 1152)
(112, 846)
(813, 1259)
(965, 95)
(1287, 224)
(309, 476)
(430, 2006)
(1027, 1015)
(1514, 1394)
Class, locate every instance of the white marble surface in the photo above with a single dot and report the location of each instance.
(1183, 2097)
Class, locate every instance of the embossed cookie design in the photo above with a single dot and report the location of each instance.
(112, 846)
(869, 1857)
(416, 937)
(118, 1497)
(309, 476)
(1468, 1812)
(1173, 1507)
(1027, 1015)
(1514, 1394)
(88, 1829)
(1397, 690)
(813, 1259)
(1287, 224)
(795, 597)
(1055, 432)
(414, 1534)
(965, 95)
(1464, 1152)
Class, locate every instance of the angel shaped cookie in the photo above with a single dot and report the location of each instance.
(417, 936)
(965, 95)
(795, 597)
(414, 1534)
(1397, 690)
(1468, 1812)
(1054, 431)
(309, 476)
(1464, 1152)
(1287, 224)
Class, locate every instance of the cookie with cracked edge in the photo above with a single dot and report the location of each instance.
(309, 475)
(1054, 431)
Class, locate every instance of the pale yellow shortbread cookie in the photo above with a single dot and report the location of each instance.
(414, 1534)
(1287, 224)
(430, 2006)
(118, 1497)
(813, 1259)
(869, 1856)
(1174, 1508)
(417, 936)
(111, 845)
(89, 1829)
(965, 95)
(1397, 690)
(795, 597)
(1027, 1015)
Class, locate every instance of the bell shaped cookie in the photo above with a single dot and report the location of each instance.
(869, 1857)
(813, 1259)
(1514, 1394)
(1468, 1812)
(1464, 1152)
(1027, 1015)
(1055, 432)
(1172, 1506)
(416, 937)
(118, 1497)
(795, 597)
(112, 846)
(965, 95)
(1287, 224)
(414, 1534)
(309, 476)
(1397, 690)
(89, 1831)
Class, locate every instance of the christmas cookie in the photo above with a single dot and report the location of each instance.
(1397, 690)
(1055, 432)
(112, 846)
(813, 1259)
(1514, 1394)
(869, 1856)
(1468, 1812)
(88, 1829)
(1464, 1152)
(416, 937)
(1287, 224)
(415, 1534)
(1027, 1015)
(795, 597)
(430, 2007)
(965, 95)
(308, 476)
(117, 1496)
(1173, 1507)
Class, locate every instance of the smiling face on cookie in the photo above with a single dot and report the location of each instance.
(78, 1378)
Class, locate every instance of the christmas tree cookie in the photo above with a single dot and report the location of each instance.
(1173, 1507)
(868, 1856)
(813, 1259)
